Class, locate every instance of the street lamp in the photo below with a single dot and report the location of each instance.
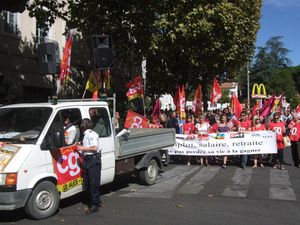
(248, 87)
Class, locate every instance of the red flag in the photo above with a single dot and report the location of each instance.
(135, 120)
(197, 103)
(156, 109)
(66, 61)
(236, 105)
(298, 109)
(107, 79)
(69, 177)
(95, 95)
(216, 92)
(182, 103)
(256, 107)
(176, 99)
(135, 88)
(268, 105)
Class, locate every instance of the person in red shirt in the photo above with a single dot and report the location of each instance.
(189, 128)
(243, 125)
(279, 128)
(258, 126)
(294, 135)
(221, 127)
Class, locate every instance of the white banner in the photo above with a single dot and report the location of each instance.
(233, 143)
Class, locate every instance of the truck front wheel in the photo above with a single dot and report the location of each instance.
(149, 175)
(43, 202)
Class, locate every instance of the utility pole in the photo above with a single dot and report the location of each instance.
(248, 87)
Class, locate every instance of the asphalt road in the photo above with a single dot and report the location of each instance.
(186, 195)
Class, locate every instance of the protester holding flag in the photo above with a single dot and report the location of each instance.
(279, 127)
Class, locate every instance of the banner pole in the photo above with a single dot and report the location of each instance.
(144, 106)
(83, 94)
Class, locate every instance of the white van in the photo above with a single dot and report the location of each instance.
(37, 168)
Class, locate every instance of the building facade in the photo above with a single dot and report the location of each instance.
(20, 79)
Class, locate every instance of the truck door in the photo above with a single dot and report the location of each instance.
(64, 161)
(102, 125)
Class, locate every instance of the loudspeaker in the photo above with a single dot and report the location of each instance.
(102, 52)
(48, 58)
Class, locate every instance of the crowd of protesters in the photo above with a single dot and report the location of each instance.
(285, 123)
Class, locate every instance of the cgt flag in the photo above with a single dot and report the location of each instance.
(197, 103)
(182, 102)
(216, 92)
(66, 61)
(236, 105)
(135, 120)
(135, 88)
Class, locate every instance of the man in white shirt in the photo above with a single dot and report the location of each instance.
(69, 130)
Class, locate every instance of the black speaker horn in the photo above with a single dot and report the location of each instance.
(103, 52)
(48, 58)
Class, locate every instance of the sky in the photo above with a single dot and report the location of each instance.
(281, 18)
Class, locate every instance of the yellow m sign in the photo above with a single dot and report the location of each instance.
(259, 91)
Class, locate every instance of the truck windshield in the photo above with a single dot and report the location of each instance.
(23, 125)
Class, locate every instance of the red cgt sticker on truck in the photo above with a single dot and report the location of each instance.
(66, 162)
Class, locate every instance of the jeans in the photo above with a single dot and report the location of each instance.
(244, 160)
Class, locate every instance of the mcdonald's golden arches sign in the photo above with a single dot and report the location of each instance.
(259, 91)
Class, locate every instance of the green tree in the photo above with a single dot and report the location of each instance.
(185, 42)
(268, 58)
(271, 67)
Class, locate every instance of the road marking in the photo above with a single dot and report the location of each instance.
(239, 184)
(197, 182)
(166, 184)
(280, 185)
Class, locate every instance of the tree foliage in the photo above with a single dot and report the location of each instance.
(184, 41)
(271, 67)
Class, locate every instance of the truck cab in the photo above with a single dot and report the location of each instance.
(31, 144)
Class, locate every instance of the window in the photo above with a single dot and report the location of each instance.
(23, 123)
(67, 122)
(10, 22)
(42, 34)
(101, 121)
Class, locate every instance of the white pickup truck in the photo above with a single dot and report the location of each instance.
(37, 168)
